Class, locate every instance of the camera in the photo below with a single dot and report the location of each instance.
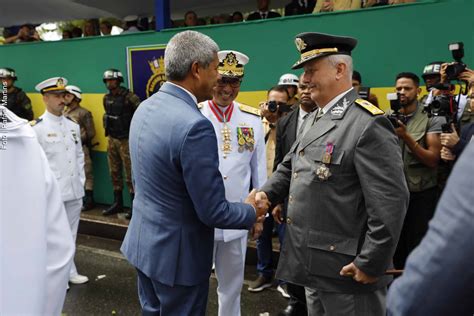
(395, 106)
(443, 105)
(274, 106)
(455, 69)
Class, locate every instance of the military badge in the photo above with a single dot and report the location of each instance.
(323, 171)
(60, 83)
(300, 44)
(245, 139)
(337, 110)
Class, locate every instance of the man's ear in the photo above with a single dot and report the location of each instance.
(418, 91)
(195, 70)
(341, 69)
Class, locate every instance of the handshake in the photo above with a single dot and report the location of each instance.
(261, 204)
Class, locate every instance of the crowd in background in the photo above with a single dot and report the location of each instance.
(133, 23)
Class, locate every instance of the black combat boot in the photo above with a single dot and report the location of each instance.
(129, 213)
(89, 203)
(117, 206)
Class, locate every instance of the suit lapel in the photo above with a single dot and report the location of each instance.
(292, 126)
(320, 128)
(326, 123)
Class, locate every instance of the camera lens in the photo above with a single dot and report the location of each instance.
(272, 106)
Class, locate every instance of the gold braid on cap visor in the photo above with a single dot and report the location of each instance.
(316, 52)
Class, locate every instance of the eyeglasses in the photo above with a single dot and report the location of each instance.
(234, 83)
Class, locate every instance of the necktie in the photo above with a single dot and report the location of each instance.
(264, 15)
(302, 124)
(319, 115)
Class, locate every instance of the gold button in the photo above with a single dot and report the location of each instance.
(332, 247)
(302, 153)
(289, 221)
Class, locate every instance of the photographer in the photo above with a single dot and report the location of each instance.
(464, 114)
(272, 110)
(27, 33)
(453, 144)
(420, 144)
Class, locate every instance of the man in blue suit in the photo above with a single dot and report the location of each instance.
(180, 195)
(438, 278)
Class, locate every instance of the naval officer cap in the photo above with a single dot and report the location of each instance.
(316, 45)
(231, 63)
(52, 85)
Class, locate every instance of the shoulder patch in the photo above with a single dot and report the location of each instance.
(71, 119)
(200, 105)
(369, 107)
(34, 122)
(249, 109)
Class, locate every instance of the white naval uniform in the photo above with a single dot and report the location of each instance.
(36, 247)
(239, 170)
(61, 141)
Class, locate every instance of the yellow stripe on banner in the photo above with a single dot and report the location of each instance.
(93, 102)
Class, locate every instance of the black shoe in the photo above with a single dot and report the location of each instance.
(293, 310)
(117, 206)
(129, 213)
(89, 203)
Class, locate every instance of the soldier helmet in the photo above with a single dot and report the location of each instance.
(432, 69)
(288, 80)
(75, 90)
(8, 73)
(112, 74)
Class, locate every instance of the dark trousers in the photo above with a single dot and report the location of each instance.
(420, 211)
(321, 303)
(264, 246)
(297, 299)
(160, 299)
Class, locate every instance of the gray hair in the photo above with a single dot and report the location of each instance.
(334, 60)
(184, 49)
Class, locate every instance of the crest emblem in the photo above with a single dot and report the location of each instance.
(300, 44)
(158, 77)
(60, 83)
(230, 66)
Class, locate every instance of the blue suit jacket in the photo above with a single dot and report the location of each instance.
(438, 277)
(179, 191)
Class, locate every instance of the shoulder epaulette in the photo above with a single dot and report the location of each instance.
(70, 118)
(200, 105)
(34, 122)
(369, 107)
(249, 109)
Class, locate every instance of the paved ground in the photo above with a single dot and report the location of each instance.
(112, 286)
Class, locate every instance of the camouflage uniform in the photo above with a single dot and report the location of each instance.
(119, 110)
(19, 103)
(83, 117)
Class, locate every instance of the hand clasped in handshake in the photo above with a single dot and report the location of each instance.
(261, 204)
